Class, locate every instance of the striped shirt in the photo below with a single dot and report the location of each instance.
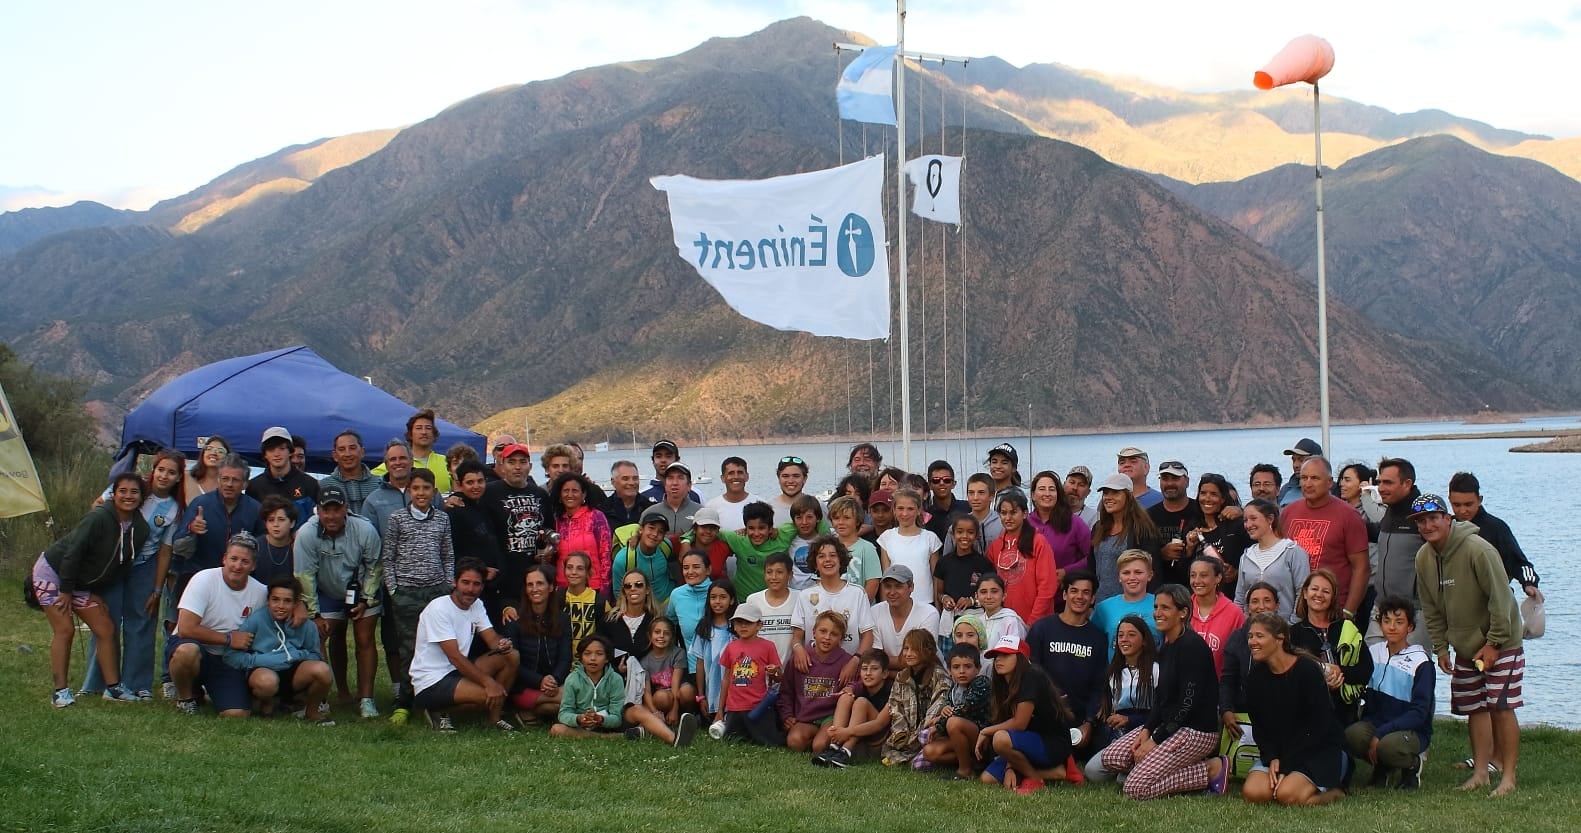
(417, 552)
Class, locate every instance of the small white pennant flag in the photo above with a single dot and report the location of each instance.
(936, 183)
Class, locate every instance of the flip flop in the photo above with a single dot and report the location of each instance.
(1468, 763)
(1221, 782)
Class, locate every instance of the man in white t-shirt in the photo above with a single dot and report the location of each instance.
(442, 676)
(209, 614)
(898, 614)
(733, 471)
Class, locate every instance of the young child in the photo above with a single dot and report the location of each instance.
(709, 641)
(593, 703)
(999, 619)
(1136, 570)
(751, 662)
(689, 602)
(910, 544)
(283, 661)
(670, 693)
(807, 699)
(915, 700)
(832, 592)
(960, 566)
(970, 629)
(777, 602)
(806, 517)
(275, 554)
(753, 548)
(1030, 738)
(648, 552)
(881, 509)
(705, 536)
(861, 717)
(966, 711)
(578, 599)
(418, 561)
(845, 516)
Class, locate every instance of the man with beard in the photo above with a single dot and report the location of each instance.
(442, 675)
(337, 564)
(1174, 516)
(1398, 543)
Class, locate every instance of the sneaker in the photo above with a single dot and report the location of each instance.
(187, 707)
(1073, 772)
(144, 696)
(839, 758)
(118, 694)
(685, 730)
(62, 698)
(398, 717)
(1221, 782)
(1411, 778)
(370, 709)
(441, 722)
(822, 758)
(326, 721)
(636, 733)
(525, 719)
(168, 691)
(505, 726)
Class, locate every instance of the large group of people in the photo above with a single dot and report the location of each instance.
(1011, 633)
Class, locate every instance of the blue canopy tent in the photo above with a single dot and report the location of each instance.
(296, 388)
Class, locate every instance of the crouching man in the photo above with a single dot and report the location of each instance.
(442, 677)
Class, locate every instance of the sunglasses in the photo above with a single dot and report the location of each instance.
(795, 461)
(942, 480)
(633, 585)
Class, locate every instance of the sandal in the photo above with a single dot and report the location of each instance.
(1468, 763)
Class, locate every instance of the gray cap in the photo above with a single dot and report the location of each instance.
(748, 612)
(900, 573)
(707, 517)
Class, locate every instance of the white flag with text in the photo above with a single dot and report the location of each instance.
(936, 181)
(800, 252)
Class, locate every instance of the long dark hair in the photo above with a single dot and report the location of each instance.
(1144, 664)
(200, 470)
(1135, 524)
(864, 488)
(1059, 519)
(1227, 495)
(705, 625)
(1026, 537)
(557, 508)
(1004, 689)
(545, 624)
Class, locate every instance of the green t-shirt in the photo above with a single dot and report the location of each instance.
(750, 558)
(865, 565)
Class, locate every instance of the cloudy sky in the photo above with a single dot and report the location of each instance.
(129, 103)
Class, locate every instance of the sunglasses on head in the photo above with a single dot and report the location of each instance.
(795, 461)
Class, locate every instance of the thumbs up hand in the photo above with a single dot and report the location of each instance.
(198, 525)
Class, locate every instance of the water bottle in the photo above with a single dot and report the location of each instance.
(717, 730)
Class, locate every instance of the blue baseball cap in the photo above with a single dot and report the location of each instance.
(1427, 505)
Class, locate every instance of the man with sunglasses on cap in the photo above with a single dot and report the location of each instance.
(1134, 463)
(664, 453)
(1466, 599)
(1174, 516)
(792, 475)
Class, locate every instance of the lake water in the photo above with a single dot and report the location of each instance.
(1511, 484)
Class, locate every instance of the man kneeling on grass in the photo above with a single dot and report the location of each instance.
(442, 676)
(283, 661)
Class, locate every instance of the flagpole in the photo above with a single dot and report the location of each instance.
(900, 212)
(1322, 278)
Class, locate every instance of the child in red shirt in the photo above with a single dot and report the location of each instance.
(749, 662)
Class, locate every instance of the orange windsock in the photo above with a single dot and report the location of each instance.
(1306, 58)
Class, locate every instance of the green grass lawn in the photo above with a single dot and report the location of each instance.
(132, 767)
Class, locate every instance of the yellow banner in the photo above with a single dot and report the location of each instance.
(20, 490)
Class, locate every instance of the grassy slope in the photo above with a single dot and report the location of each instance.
(102, 766)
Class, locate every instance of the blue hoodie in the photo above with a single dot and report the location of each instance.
(276, 645)
(1400, 694)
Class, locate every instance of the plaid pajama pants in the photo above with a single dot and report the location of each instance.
(1175, 766)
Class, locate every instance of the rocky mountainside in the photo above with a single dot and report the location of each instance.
(511, 251)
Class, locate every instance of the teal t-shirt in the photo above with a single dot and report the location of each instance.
(1108, 613)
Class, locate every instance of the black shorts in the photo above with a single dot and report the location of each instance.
(440, 695)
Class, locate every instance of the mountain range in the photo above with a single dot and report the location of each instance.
(509, 250)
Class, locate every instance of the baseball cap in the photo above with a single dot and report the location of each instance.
(328, 494)
(1080, 471)
(654, 513)
(900, 573)
(1174, 467)
(275, 433)
(1006, 449)
(706, 517)
(1009, 644)
(512, 449)
(881, 496)
(1427, 505)
(1307, 447)
(665, 445)
(680, 467)
(748, 612)
(1133, 451)
(1116, 482)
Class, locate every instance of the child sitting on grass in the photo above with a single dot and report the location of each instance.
(861, 718)
(669, 692)
(915, 700)
(1029, 741)
(283, 661)
(593, 703)
(749, 662)
(965, 712)
(808, 698)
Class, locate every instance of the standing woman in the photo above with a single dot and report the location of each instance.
(1219, 537)
(542, 635)
(1336, 643)
(1271, 559)
(1067, 535)
(1301, 746)
(70, 576)
(133, 602)
(205, 474)
(1122, 525)
(1166, 755)
(581, 527)
(1023, 559)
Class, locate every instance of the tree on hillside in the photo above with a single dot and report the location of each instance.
(48, 409)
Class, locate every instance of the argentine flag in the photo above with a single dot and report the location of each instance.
(867, 87)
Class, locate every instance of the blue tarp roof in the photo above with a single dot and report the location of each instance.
(296, 388)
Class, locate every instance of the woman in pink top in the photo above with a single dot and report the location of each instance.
(1023, 559)
(1213, 616)
(581, 528)
(1067, 535)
